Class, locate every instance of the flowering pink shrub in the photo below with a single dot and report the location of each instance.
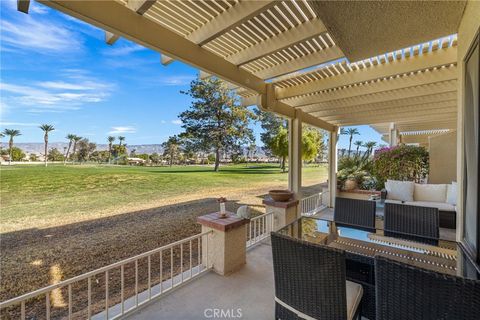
(403, 162)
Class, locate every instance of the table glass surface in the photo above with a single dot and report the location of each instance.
(445, 256)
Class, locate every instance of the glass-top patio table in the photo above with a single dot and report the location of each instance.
(361, 246)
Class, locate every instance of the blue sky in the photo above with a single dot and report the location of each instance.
(58, 70)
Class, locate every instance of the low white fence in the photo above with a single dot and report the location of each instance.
(174, 264)
(313, 204)
(259, 228)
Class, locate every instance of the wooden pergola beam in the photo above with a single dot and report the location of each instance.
(111, 38)
(313, 59)
(418, 79)
(23, 5)
(448, 88)
(436, 58)
(432, 101)
(228, 20)
(140, 6)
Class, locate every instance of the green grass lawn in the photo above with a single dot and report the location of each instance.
(31, 193)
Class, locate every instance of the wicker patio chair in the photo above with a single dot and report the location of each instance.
(411, 222)
(310, 281)
(405, 292)
(354, 212)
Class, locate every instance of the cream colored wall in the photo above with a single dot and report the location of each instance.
(443, 158)
(467, 30)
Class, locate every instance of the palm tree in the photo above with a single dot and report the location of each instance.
(369, 145)
(358, 144)
(46, 128)
(70, 138)
(75, 140)
(110, 139)
(11, 133)
(120, 140)
(351, 132)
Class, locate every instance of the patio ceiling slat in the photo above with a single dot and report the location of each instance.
(386, 97)
(408, 80)
(414, 63)
(231, 18)
(444, 99)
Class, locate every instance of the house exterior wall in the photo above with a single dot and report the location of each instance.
(443, 158)
(467, 30)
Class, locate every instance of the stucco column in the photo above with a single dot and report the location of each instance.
(283, 212)
(295, 155)
(393, 135)
(332, 166)
(225, 248)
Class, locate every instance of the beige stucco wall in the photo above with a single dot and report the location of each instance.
(443, 158)
(466, 32)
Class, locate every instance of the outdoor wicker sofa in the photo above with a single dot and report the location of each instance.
(411, 222)
(440, 196)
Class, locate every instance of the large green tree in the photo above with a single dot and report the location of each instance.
(85, 149)
(279, 146)
(55, 155)
(11, 133)
(350, 132)
(271, 125)
(312, 143)
(46, 128)
(215, 120)
(171, 149)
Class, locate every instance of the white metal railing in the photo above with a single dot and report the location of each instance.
(173, 276)
(259, 228)
(312, 204)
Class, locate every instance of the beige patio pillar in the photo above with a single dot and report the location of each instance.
(225, 248)
(295, 155)
(283, 212)
(393, 135)
(332, 166)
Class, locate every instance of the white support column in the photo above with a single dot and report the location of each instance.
(393, 135)
(295, 155)
(332, 165)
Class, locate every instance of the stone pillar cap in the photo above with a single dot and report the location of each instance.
(213, 220)
(280, 204)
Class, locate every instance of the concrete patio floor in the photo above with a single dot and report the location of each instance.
(249, 292)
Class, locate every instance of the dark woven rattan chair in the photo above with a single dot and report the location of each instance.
(405, 292)
(411, 222)
(310, 281)
(354, 212)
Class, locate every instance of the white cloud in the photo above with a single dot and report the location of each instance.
(177, 80)
(177, 121)
(124, 129)
(39, 35)
(56, 96)
(19, 124)
(123, 50)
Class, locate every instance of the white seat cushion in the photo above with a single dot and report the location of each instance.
(399, 190)
(442, 206)
(430, 192)
(452, 193)
(354, 296)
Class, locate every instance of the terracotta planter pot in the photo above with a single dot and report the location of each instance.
(350, 185)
